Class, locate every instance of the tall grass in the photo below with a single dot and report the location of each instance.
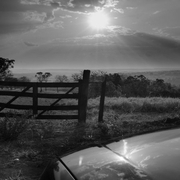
(12, 126)
(138, 105)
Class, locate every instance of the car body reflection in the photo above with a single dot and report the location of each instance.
(153, 156)
(102, 163)
(158, 154)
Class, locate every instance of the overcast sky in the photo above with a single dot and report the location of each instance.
(57, 34)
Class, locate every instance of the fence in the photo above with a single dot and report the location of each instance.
(30, 89)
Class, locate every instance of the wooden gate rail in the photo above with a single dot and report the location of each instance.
(42, 95)
(39, 116)
(13, 99)
(27, 107)
(31, 90)
(48, 84)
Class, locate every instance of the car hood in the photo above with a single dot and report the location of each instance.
(150, 156)
(101, 163)
(157, 154)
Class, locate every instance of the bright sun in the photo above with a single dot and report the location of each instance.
(98, 20)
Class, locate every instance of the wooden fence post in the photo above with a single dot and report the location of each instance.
(83, 96)
(101, 106)
(35, 99)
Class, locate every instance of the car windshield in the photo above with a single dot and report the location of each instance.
(81, 73)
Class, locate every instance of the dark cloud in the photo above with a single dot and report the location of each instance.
(15, 24)
(83, 6)
(121, 30)
(172, 31)
(139, 51)
(21, 16)
(9, 6)
(122, 37)
(30, 44)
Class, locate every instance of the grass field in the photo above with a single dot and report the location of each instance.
(26, 157)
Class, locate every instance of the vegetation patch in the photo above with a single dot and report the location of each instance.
(12, 126)
(124, 105)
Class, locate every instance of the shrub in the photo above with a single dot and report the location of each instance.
(124, 107)
(12, 125)
(41, 129)
(95, 132)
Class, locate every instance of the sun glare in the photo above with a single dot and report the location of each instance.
(98, 20)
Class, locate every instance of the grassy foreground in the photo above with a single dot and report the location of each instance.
(39, 141)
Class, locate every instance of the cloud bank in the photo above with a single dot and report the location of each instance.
(17, 16)
(138, 50)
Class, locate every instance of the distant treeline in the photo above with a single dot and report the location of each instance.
(117, 85)
(131, 86)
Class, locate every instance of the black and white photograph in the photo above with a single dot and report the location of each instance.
(89, 89)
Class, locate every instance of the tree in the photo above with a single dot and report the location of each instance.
(112, 90)
(97, 76)
(160, 88)
(116, 79)
(46, 76)
(61, 78)
(24, 79)
(77, 76)
(39, 76)
(10, 78)
(143, 86)
(42, 77)
(136, 86)
(5, 65)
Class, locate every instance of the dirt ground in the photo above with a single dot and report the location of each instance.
(26, 160)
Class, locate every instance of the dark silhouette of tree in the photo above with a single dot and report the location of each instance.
(77, 76)
(10, 78)
(136, 86)
(5, 65)
(142, 86)
(61, 78)
(46, 76)
(23, 79)
(129, 86)
(39, 76)
(42, 77)
(97, 76)
(112, 90)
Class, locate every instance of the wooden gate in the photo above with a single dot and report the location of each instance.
(30, 90)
